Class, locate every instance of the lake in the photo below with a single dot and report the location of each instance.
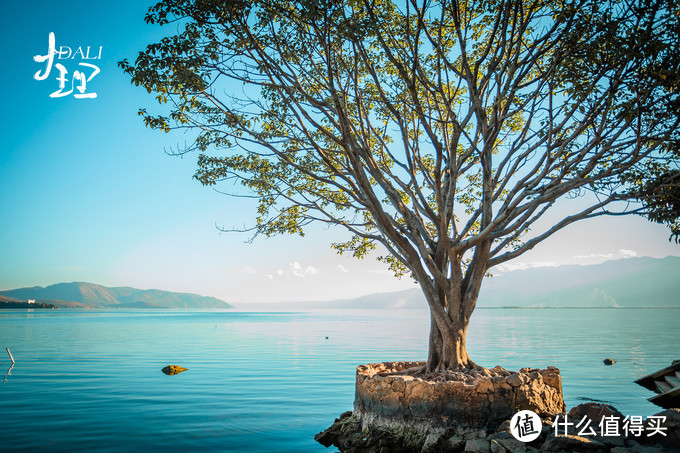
(266, 382)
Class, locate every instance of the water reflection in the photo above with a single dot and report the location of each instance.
(9, 371)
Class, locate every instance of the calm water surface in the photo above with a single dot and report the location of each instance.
(270, 381)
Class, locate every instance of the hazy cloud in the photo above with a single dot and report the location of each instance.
(606, 256)
(509, 267)
(341, 268)
(247, 270)
(295, 269)
(622, 253)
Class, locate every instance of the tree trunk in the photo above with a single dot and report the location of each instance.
(448, 328)
(448, 349)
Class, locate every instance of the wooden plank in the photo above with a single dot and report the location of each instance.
(673, 381)
(663, 386)
(648, 381)
(668, 400)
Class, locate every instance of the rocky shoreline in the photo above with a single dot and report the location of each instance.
(12, 305)
(470, 411)
(348, 436)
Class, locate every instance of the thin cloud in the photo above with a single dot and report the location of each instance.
(594, 255)
(622, 253)
(295, 269)
(509, 267)
(247, 270)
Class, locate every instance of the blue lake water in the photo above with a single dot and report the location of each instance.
(270, 381)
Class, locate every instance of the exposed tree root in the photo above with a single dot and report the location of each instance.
(460, 373)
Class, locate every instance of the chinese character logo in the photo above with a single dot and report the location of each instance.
(81, 76)
(612, 426)
(525, 426)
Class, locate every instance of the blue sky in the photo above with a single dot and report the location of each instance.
(88, 193)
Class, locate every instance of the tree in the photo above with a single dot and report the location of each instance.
(441, 130)
(660, 193)
(657, 184)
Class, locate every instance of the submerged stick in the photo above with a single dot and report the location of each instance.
(10, 356)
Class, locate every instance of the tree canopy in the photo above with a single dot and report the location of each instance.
(442, 130)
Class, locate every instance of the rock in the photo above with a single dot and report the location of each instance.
(514, 380)
(477, 446)
(593, 411)
(671, 431)
(609, 361)
(496, 447)
(349, 436)
(597, 415)
(344, 431)
(513, 445)
(431, 443)
(451, 411)
(504, 427)
(571, 444)
(639, 448)
(173, 369)
(453, 443)
(476, 399)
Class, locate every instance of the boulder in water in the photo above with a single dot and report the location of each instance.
(173, 369)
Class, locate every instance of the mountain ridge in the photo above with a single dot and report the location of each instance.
(91, 295)
(624, 283)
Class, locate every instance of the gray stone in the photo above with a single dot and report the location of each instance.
(453, 443)
(496, 447)
(477, 446)
(430, 443)
(513, 445)
(590, 417)
(505, 426)
(572, 444)
(468, 434)
(672, 425)
(595, 412)
(501, 435)
(639, 448)
(612, 441)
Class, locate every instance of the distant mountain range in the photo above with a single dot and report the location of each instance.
(89, 295)
(624, 283)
